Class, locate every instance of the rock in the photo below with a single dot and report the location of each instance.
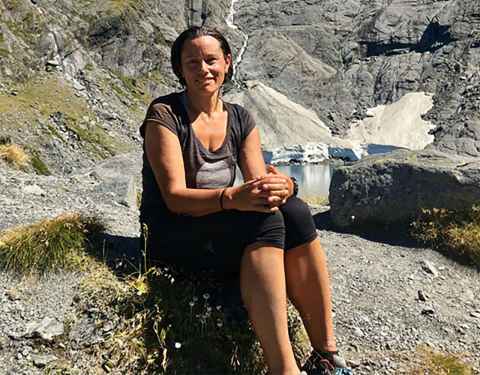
(428, 311)
(281, 121)
(47, 329)
(41, 360)
(428, 267)
(119, 176)
(33, 189)
(3, 342)
(13, 294)
(475, 314)
(393, 188)
(421, 296)
(357, 332)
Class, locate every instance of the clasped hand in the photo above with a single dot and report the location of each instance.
(264, 193)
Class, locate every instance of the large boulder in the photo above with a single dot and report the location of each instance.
(392, 188)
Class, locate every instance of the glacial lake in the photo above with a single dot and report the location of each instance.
(313, 179)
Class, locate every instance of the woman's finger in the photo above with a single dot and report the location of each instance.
(272, 169)
(274, 187)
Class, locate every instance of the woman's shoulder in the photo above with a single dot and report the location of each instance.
(168, 103)
(238, 110)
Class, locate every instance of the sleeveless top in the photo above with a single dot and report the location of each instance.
(203, 169)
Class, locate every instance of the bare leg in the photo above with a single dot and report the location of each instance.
(308, 287)
(262, 281)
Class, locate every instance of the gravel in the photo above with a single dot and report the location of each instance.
(389, 296)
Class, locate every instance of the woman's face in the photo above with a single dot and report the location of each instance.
(204, 65)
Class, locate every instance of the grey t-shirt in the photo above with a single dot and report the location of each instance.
(203, 168)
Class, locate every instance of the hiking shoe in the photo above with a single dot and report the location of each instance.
(326, 364)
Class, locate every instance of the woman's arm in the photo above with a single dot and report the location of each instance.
(274, 185)
(165, 156)
(251, 160)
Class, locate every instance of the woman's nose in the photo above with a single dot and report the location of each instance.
(204, 67)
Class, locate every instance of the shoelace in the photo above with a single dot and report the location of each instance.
(318, 362)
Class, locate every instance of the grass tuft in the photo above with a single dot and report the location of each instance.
(50, 244)
(456, 233)
(441, 364)
(169, 324)
(316, 200)
(14, 155)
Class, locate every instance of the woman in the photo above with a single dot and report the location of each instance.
(197, 219)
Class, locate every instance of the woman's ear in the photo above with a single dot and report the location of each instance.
(228, 60)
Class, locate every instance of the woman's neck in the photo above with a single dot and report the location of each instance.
(204, 104)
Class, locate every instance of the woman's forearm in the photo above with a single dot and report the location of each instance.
(194, 202)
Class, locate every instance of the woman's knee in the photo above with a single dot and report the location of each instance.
(295, 210)
(299, 225)
(268, 229)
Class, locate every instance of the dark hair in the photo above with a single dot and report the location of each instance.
(190, 34)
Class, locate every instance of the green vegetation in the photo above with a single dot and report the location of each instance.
(28, 24)
(120, 6)
(167, 321)
(38, 164)
(38, 99)
(48, 245)
(454, 233)
(441, 364)
(171, 324)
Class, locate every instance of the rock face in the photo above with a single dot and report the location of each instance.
(281, 121)
(386, 189)
(340, 60)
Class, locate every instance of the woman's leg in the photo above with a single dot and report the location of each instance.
(308, 284)
(262, 282)
(308, 288)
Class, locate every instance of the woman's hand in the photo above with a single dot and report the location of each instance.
(276, 186)
(248, 197)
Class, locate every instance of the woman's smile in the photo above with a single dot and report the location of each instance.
(203, 64)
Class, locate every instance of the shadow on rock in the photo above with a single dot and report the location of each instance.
(391, 234)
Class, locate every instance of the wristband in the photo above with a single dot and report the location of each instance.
(295, 186)
(221, 198)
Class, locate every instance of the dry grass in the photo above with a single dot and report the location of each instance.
(315, 200)
(14, 155)
(435, 363)
(455, 233)
(50, 244)
(169, 325)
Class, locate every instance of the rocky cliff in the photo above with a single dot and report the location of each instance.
(342, 58)
(75, 77)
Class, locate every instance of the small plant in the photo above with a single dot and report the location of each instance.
(316, 200)
(50, 244)
(453, 232)
(441, 364)
(14, 155)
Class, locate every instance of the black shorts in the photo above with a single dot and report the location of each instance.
(216, 242)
